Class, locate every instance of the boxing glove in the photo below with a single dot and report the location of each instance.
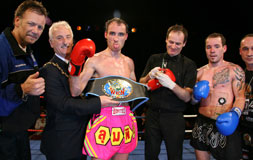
(153, 84)
(169, 73)
(227, 123)
(201, 90)
(83, 48)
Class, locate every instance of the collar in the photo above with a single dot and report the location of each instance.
(63, 59)
(174, 58)
(17, 51)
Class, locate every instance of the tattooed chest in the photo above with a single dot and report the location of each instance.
(221, 77)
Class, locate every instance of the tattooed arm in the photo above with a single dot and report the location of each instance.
(238, 84)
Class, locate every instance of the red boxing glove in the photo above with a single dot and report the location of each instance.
(83, 48)
(153, 84)
(170, 74)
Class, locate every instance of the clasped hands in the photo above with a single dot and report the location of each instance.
(165, 79)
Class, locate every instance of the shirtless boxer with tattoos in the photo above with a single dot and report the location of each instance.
(220, 91)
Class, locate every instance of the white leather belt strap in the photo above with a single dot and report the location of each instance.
(118, 111)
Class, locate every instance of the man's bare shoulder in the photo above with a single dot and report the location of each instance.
(201, 71)
(127, 58)
(236, 69)
(99, 54)
(234, 66)
(203, 68)
(97, 57)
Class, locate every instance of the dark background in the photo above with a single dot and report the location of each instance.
(152, 19)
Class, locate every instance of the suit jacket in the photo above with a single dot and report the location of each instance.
(66, 120)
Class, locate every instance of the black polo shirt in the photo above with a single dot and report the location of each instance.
(247, 114)
(185, 71)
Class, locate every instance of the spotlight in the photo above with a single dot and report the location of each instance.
(79, 28)
(133, 30)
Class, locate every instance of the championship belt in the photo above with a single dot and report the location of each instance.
(119, 88)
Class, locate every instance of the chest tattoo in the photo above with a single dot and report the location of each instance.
(221, 77)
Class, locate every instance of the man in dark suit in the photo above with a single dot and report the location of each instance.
(67, 116)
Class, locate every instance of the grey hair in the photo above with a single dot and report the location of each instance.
(57, 24)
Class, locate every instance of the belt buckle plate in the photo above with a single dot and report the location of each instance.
(118, 111)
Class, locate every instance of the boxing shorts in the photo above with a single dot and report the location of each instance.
(112, 131)
(119, 88)
(206, 137)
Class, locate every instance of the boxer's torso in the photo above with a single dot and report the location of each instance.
(220, 98)
(107, 64)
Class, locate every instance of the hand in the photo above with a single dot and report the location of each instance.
(165, 80)
(107, 101)
(227, 123)
(153, 72)
(153, 84)
(83, 48)
(201, 90)
(34, 85)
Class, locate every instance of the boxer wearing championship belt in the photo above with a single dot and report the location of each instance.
(220, 91)
(119, 88)
(113, 132)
